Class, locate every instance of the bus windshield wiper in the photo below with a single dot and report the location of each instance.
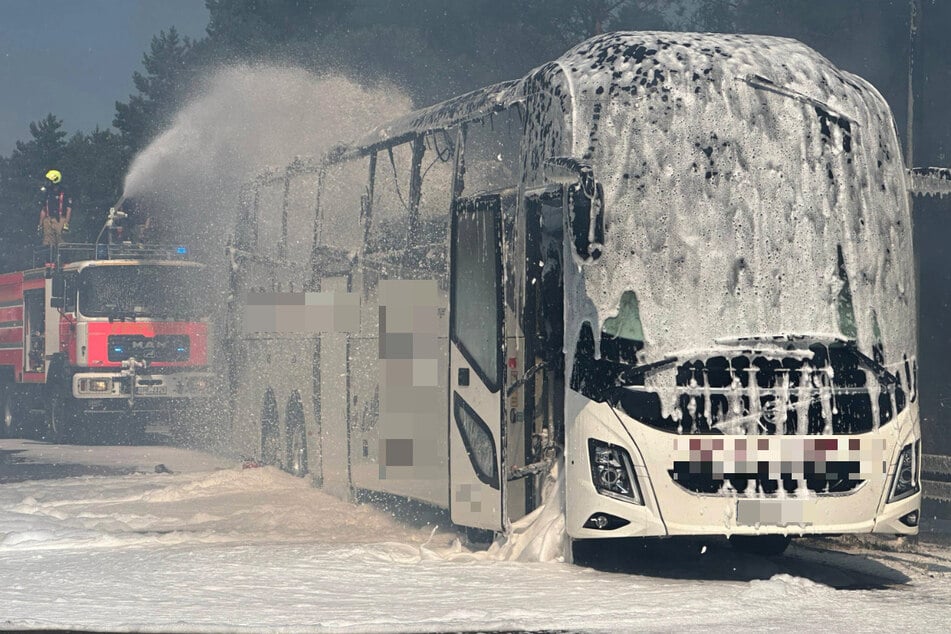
(827, 340)
(638, 372)
(884, 375)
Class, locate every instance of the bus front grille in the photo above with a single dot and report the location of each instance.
(833, 478)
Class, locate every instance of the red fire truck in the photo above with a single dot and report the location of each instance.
(98, 340)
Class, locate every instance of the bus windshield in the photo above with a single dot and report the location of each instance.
(760, 220)
(150, 290)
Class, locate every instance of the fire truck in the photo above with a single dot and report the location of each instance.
(99, 340)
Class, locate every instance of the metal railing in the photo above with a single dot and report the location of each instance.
(67, 252)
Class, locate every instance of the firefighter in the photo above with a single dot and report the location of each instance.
(56, 209)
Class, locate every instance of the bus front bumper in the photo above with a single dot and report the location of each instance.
(666, 505)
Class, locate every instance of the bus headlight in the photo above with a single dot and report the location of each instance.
(906, 473)
(612, 472)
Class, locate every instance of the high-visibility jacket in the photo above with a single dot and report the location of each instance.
(56, 201)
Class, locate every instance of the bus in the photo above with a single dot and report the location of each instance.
(679, 266)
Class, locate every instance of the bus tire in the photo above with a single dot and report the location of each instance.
(479, 537)
(270, 431)
(762, 545)
(296, 435)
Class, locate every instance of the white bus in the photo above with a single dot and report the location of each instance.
(683, 262)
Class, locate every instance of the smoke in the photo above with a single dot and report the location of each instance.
(241, 120)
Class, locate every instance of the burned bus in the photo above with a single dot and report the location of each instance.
(682, 261)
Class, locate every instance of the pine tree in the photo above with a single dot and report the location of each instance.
(169, 69)
(21, 177)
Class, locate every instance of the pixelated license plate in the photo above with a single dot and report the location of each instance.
(775, 512)
(150, 390)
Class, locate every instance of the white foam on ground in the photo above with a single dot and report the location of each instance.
(233, 550)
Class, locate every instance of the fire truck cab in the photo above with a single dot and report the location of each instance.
(96, 341)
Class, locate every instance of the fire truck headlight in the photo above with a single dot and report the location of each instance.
(906, 473)
(95, 385)
(198, 384)
(612, 472)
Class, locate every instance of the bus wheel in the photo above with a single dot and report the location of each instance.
(270, 433)
(296, 463)
(763, 545)
(479, 537)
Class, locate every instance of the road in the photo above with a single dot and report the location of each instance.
(98, 538)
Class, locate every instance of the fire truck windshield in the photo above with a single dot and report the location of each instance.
(143, 290)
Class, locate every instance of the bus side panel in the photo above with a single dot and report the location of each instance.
(279, 362)
(398, 428)
(334, 387)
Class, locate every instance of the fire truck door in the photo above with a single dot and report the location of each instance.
(476, 432)
(52, 321)
(34, 331)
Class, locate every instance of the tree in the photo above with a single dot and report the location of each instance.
(95, 164)
(44, 151)
(273, 30)
(21, 177)
(169, 69)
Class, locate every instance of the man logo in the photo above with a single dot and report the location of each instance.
(157, 348)
(150, 344)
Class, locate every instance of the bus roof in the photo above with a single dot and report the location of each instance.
(627, 62)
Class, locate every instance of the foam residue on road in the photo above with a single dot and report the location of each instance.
(540, 535)
(214, 547)
(222, 506)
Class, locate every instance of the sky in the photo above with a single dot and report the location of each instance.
(75, 58)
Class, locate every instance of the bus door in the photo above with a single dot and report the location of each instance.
(476, 432)
(543, 377)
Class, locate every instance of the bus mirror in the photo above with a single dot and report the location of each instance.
(586, 217)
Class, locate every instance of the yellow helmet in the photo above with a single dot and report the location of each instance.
(54, 176)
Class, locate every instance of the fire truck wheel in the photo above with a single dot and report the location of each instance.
(60, 422)
(130, 433)
(11, 425)
(270, 432)
(296, 463)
